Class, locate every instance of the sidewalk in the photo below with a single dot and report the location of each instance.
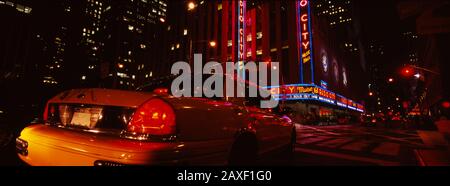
(438, 153)
(433, 157)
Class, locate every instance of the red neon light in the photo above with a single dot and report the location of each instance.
(304, 30)
(303, 89)
(325, 93)
(303, 3)
(446, 104)
(161, 91)
(304, 18)
(241, 26)
(342, 100)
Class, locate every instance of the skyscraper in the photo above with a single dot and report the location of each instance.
(337, 12)
(121, 41)
(15, 44)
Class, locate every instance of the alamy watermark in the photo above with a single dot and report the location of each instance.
(237, 76)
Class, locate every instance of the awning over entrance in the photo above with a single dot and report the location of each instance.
(313, 92)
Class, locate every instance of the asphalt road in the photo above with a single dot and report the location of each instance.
(356, 145)
(318, 145)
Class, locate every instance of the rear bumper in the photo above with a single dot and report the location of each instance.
(49, 146)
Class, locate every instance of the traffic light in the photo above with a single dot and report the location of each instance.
(407, 71)
(446, 104)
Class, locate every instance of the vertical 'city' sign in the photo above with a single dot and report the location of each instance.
(241, 10)
(304, 42)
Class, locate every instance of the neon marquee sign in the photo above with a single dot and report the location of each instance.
(342, 101)
(359, 107)
(303, 91)
(312, 92)
(351, 105)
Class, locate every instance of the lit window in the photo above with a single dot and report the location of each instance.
(27, 10)
(185, 32)
(259, 35)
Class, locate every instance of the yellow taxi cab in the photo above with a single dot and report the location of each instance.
(105, 127)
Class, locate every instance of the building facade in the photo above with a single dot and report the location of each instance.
(314, 42)
(122, 41)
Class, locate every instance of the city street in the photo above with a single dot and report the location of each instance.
(355, 145)
(340, 145)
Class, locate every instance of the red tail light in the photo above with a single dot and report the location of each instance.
(155, 117)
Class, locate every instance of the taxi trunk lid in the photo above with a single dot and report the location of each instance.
(104, 109)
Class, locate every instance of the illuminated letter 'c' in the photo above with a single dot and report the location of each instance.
(304, 18)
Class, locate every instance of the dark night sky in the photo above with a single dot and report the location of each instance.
(381, 23)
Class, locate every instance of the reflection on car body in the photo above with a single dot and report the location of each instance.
(114, 127)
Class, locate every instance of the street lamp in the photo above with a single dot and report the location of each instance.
(417, 76)
(407, 71)
(191, 6)
(212, 44)
(390, 80)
